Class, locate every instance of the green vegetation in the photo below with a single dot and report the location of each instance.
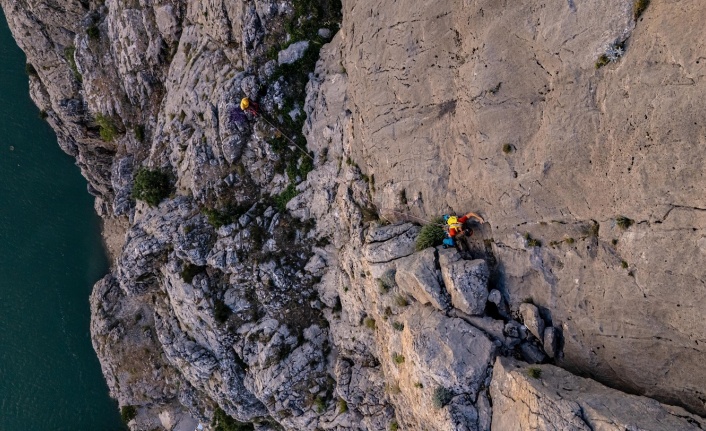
(602, 61)
(139, 131)
(398, 326)
(419, 385)
(69, 55)
(93, 32)
(532, 242)
(507, 148)
(189, 271)
(534, 372)
(614, 241)
(342, 405)
(442, 396)
(287, 195)
(108, 131)
(221, 311)
(369, 323)
(397, 359)
(431, 235)
(224, 213)
(638, 8)
(320, 404)
(151, 186)
(401, 301)
(223, 422)
(43, 114)
(394, 426)
(128, 413)
(31, 71)
(623, 264)
(624, 222)
(570, 240)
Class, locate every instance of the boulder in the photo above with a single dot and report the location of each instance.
(293, 52)
(545, 397)
(532, 320)
(467, 283)
(551, 341)
(418, 276)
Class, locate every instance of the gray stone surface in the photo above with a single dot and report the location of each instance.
(418, 276)
(467, 283)
(293, 52)
(558, 400)
(532, 320)
(551, 341)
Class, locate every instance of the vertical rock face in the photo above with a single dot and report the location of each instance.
(548, 398)
(283, 288)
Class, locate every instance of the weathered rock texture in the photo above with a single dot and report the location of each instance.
(287, 291)
(545, 397)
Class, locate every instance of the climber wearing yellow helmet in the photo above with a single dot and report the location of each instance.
(248, 105)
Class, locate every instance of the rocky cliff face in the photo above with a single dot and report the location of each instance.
(283, 288)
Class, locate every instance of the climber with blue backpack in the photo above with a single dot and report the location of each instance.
(457, 225)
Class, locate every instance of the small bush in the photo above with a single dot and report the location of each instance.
(189, 271)
(93, 32)
(388, 279)
(570, 240)
(614, 241)
(223, 422)
(507, 148)
(394, 426)
(128, 413)
(320, 404)
(602, 61)
(398, 359)
(69, 53)
(431, 235)
(532, 242)
(287, 195)
(638, 8)
(624, 222)
(43, 114)
(342, 405)
(534, 372)
(442, 396)
(31, 71)
(108, 131)
(401, 301)
(369, 323)
(419, 385)
(398, 326)
(623, 264)
(221, 311)
(151, 186)
(139, 131)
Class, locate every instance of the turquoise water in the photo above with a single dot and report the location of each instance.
(50, 256)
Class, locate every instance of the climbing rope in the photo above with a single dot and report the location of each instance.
(287, 137)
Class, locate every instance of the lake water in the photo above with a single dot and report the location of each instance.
(50, 257)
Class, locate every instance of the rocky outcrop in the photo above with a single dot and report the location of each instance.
(281, 285)
(546, 397)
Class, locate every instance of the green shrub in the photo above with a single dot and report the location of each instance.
(570, 240)
(369, 323)
(394, 426)
(431, 235)
(639, 7)
(108, 131)
(320, 404)
(93, 32)
(342, 405)
(623, 264)
(624, 222)
(442, 396)
(388, 279)
(151, 186)
(190, 270)
(128, 413)
(31, 71)
(531, 242)
(398, 359)
(602, 61)
(507, 148)
(139, 131)
(398, 326)
(221, 311)
(287, 195)
(401, 301)
(534, 372)
(223, 422)
(69, 55)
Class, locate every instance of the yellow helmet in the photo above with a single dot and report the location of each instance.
(452, 220)
(244, 103)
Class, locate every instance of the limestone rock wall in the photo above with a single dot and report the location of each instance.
(315, 311)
